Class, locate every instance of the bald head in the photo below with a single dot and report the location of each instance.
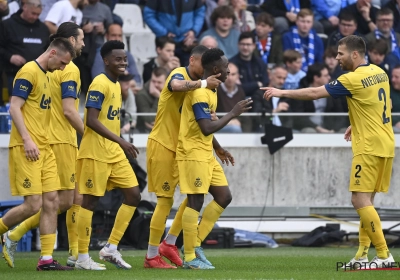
(209, 42)
(114, 32)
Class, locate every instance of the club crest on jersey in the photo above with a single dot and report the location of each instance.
(111, 114)
(166, 186)
(26, 184)
(198, 183)
(89, 183)
(72, 179)
(45, 102)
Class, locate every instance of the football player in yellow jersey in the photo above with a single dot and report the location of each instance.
(102, 164)
(32, 164)
(162, 168)
(65, 122)
(367, 91)
(199, 171)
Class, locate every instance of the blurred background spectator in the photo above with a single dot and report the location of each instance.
(395, 97)
(244, 19)
(128, 103)
(62, 11)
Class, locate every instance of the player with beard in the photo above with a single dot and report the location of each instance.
(32, 164)
(366, 87)
(65, 122)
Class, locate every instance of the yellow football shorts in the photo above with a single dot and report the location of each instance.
(32, 177)
(95, 177)
(162, 169)
(66, 155)
(196, 177)
(370, 174)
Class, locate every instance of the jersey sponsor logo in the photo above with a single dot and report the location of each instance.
(23, 88)
(26, 184)
(333, 83)
(198, 183)
(166, 186)
(45, 102)
(71, 88)
(32, 41)
(206, 110)
(111, 114)
(93, 98)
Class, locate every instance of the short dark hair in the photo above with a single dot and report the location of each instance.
(109, 46)
(290, 56)
(199, 50)
(379, 45)
(163, 40)
(66, 30)
(222, 12)
(247, 35)
(64, 45)
(211, 57)
(354, 43)
(330, 52)
(346, 16)
(158, 71)
(384, 11)
(314, 70)
(265, 18)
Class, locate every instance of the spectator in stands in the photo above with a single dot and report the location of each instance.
(304, 39)
(114, 32)
(392, 60)
(181, 20)
(347, 26)
(395, 97)
(278, 76)
(13, 7)
(165, 48)
(293, 61)
(326, 12)
(376, 54)
(333, 65)
(128, 103)
(210, 7)
(365, 15)
(46, 5)
(317, 75)
(147, 99)
(134, 87)
(223, 31)
(23, 38)
(384, 30)
(209, 41)
(4, 9)
(63, 11)
(229, 94)
(268, 43)
(244, 19)
(394, 6)
(285, 13)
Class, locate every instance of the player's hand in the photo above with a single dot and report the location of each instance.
(225, 156)
(213, 82)
(270, 92)
(17, 60)
(129, 148)
(242, 107)
(214, 116)
(31, 150)
(347, 134)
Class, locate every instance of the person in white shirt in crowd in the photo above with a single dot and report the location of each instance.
(63, 11)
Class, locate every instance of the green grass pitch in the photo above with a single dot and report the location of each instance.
(244, 263)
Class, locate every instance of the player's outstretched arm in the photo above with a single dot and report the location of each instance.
(92, 121)
(207, 126)
(178, 85)
(31, 150)
(223, 154)
(311, 93)
(72, 115)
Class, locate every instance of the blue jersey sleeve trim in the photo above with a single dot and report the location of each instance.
(68, 89)
(201, 111)
(22, 88)
(177, 76)
(336, 89)
(95, 99)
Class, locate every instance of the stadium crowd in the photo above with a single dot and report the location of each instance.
(280, 43)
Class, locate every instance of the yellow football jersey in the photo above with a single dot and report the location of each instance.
(166, 125)
(104, 94)
(192, 143)
(31, 83)
(63, 84)
(368, 96)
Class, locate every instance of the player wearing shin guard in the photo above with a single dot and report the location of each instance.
(102, 164)
(367, 90)
(198, 168)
